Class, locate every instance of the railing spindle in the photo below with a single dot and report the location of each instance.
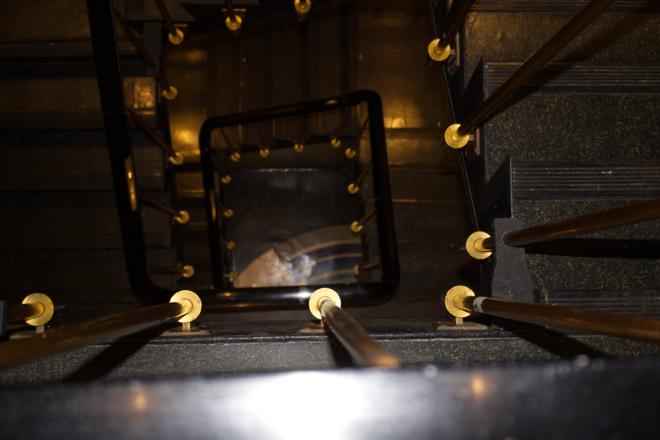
(357, 227)
(440, 49)
(184, 306)
(480, 245)
(302, 8)
(175, 35)
(36, 310)
(325, 304)
(168, 91)
(180, 216)
(233, 20)
(174, 157)
(461, 302)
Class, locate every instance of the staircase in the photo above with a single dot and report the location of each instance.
(60, 232)
(580, 138)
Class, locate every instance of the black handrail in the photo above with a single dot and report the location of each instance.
(111, 91)
(458, 135)
(297, 296)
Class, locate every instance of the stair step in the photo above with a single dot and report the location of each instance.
(81, 220)
(563, 113)
(72, 161)
(16, 69)
(560, 272)
(639, 302)
(409, 183)
(419, 147)
(498, 35)
(537, 212)
(563, 6)
(561, 181)
(56, 49)
(72, 270)
(67, 103)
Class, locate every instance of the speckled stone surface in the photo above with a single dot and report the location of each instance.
(581, 128)
(612, 37)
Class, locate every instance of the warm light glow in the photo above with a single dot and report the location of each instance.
(477, 386)
(139, 400)
(318, 400)
(186, 137)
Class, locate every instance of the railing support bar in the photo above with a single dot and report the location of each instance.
(325, 304)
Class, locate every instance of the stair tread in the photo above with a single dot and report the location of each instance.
(43, 270)
(72, 161)
(77, 220)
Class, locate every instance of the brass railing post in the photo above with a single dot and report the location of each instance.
(461, 302)
(36, 310)
(173, 157)
(480, 245)
(440, 49)
(180, 216)
(325, 305)
(175, 35)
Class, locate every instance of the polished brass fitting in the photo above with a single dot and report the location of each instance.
(177, 38)
(234, 25)
(317, 299)
(298, 147)
(228, 213)
(191, 304)
(176, 159)
(226, 179)
(182, 218)
(130, 183)
(302, 7)
(169, 93)
(437, 52)
(187, 271)
(454, 300)
(45, 307)
(350, 153)
(230, 245)
(264, 152)
(353, 188)
(357, 227)
(335, 142)
(235, 156)
(454, 139)
(474, 245)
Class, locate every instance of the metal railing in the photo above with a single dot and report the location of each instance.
(480, 245)
(458, 135)
(439, 49)
(382, 213)
(175, 35)
(184, 307)
(325, 305)
(168, 91)
(461, 302)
